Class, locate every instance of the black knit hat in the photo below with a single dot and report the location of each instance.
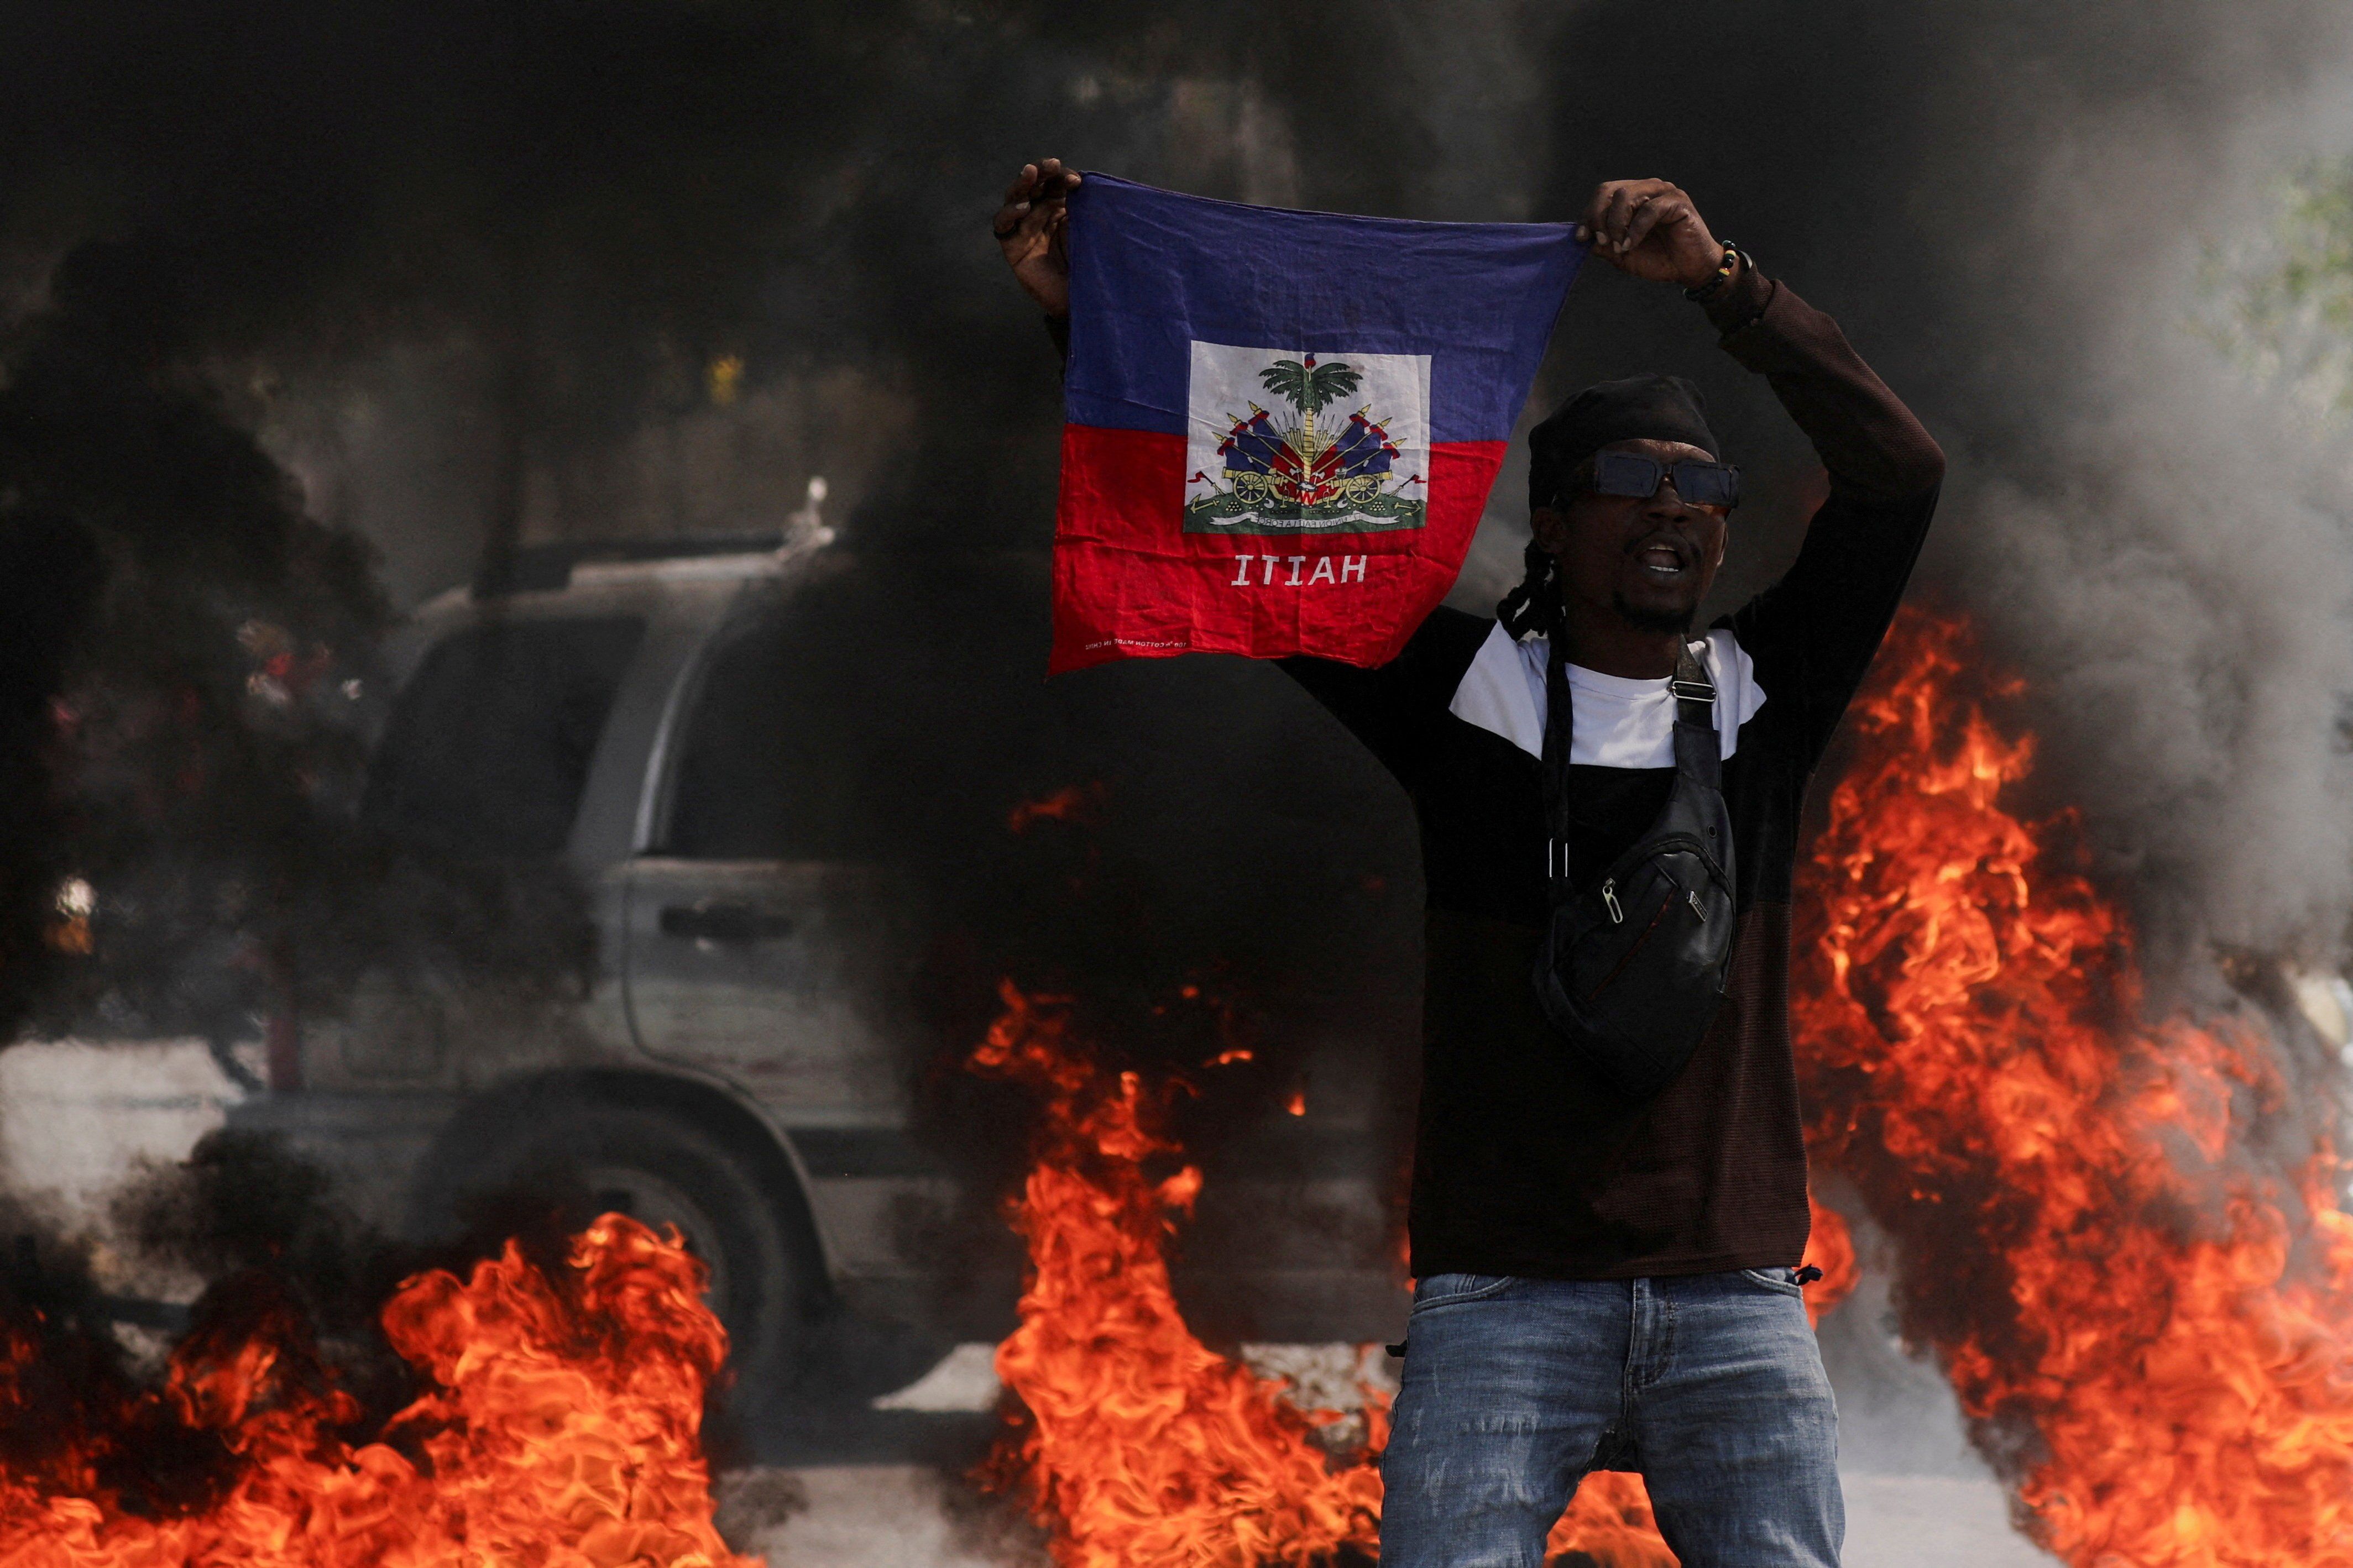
(1640, 408)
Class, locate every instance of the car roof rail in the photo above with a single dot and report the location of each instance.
(539, 568)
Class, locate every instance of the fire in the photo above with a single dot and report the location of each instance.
(1141, 1447)
(1830, 1248)
(2122, 1237)
(562, 1429)
(1070, 804)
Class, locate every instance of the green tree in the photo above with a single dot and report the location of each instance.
(1310, 387)
(2282, 305)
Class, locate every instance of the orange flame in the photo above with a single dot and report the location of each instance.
(1071, 803)
(1141, 1446)
(2121, 1236)
(1830, 1248)
(563, 1430)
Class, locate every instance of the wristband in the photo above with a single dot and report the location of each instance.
(1712, 289)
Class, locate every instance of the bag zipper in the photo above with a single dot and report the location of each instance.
(1609, 901)
(1651, 848)
(1628, 956)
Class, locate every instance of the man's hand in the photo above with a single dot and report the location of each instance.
(1650, 228)
(1028, 228)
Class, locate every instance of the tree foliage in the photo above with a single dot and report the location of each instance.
(1310, 387)
(2284, 305)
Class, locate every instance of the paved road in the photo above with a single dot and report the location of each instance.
(76, 1119)
(885, 1516)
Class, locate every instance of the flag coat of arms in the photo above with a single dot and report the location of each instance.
(1282, 426)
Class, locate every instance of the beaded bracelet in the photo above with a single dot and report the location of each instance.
(1709, 291)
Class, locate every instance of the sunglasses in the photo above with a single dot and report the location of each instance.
(1696, 483)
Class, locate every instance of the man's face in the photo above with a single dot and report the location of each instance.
(1649, 561)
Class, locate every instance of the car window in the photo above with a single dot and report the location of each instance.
(488, 744)
(777, 748)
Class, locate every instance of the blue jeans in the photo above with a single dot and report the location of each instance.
(1710, 1385)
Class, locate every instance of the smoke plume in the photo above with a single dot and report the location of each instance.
(2009, 220)
(289, 290)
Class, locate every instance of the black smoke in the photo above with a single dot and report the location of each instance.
(286, 285)
(545, 224)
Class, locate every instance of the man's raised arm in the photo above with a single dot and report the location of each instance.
(1869, 441)
(1814, 631)
(1030, 229)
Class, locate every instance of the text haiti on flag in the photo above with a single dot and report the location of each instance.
(1283, 426)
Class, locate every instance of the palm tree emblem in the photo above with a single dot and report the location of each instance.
(1310, 387)
(1300, 477)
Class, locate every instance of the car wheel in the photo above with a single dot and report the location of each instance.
(659, 1167)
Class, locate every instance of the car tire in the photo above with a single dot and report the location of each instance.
(662, 1167)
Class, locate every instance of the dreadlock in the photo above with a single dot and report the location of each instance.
(1535, 605)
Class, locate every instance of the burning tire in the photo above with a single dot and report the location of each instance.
(738, 1212)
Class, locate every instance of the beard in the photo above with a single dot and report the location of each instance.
(1644, 618)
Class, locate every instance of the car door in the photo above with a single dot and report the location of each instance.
(480, 774)
(764, 941)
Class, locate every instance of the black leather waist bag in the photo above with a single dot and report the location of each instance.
(1634, 967)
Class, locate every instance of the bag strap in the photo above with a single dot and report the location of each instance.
(1559, 726)
(1699, 753)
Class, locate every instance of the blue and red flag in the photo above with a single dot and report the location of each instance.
(1283, 426)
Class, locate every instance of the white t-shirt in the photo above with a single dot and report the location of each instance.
(1618, 722)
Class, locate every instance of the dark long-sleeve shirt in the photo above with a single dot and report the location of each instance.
(1526, 1163)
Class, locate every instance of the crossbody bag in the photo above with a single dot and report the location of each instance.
(1634, 966)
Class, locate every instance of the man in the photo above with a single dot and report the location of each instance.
(1607, 1282)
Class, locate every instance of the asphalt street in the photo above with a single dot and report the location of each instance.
(77, 1121)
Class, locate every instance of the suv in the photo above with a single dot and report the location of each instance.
(737, 1064)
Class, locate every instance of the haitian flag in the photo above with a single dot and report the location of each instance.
(1282, 426)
